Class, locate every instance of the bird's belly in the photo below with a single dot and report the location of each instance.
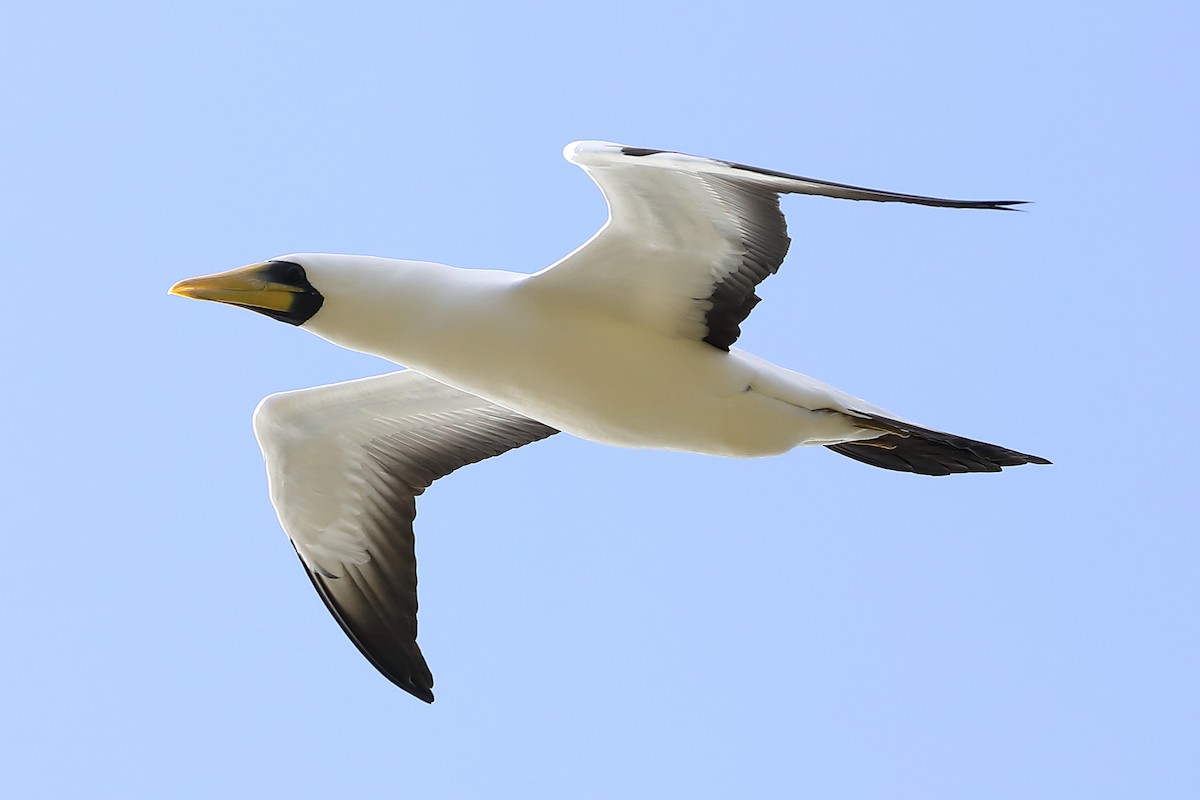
(614, 383)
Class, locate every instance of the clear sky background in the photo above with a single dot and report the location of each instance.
(606, 623)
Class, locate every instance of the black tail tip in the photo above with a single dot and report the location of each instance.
(911, 448)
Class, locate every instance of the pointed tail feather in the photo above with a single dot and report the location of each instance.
(910, 448)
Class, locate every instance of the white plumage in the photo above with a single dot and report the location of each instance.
(626, 341)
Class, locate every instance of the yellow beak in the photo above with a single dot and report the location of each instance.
(246, 286)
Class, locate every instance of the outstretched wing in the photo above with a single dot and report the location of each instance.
(345, 464)
(688, 239)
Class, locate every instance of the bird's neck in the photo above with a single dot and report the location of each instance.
(407, 311)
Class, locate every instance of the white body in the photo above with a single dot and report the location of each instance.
(552, 356)
(626, 341)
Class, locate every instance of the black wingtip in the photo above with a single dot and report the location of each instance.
(420, 692)
(986, 205)
(413, 684)
(418, 684)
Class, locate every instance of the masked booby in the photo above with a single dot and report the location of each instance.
(626, 341)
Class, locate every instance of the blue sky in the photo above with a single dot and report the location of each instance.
(607, 623)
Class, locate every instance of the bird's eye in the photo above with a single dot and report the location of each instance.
(289, 272)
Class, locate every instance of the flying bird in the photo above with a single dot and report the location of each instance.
(626, 341)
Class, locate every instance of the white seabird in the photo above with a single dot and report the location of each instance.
(626, 341)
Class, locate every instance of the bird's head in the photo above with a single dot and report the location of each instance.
(363, 303)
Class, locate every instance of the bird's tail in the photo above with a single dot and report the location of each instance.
(910, 448)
